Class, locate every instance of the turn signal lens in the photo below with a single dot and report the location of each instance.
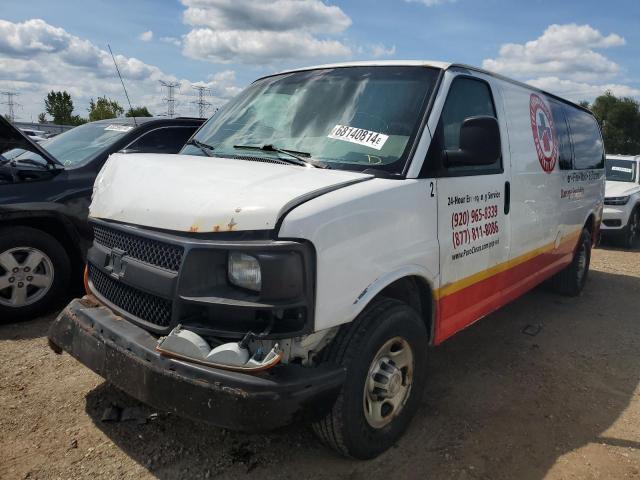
(86, 279)
(244, 271)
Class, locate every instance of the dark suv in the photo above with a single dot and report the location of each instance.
(45, 191)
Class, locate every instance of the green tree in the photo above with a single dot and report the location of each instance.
(138, 112)
(77, 120)
(42, 118)
(104, 108)
(619, 119)
(60, 106)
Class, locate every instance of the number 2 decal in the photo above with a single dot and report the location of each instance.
(431, 185)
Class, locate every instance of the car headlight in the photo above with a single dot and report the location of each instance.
(616, 200)
(244, 271)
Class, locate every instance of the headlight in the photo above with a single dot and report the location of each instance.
(244, 271)
(616, 200)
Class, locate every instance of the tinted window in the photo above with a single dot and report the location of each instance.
(467, 97)
(620, 170)
(79, 144)
(562, 132)
(588, 149)
(162, 140)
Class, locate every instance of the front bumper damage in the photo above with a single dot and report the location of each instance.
(125, 355)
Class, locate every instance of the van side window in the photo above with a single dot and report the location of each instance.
(467, 97)
(562, 131)
(588, 150)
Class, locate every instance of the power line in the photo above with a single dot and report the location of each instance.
(202, 103)
(11, 104)
(170, 98)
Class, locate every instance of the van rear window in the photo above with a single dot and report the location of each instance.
(588, 150)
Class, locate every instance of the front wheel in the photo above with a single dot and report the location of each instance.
(384, 352)
(34, 272)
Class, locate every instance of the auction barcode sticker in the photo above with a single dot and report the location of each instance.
(359, 135)
(622, 169)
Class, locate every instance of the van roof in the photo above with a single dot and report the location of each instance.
(433, 64)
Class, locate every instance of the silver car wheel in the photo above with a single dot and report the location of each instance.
(26, 275)
(388, 383)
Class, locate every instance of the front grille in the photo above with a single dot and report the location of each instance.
(142, 305)
(153, 252)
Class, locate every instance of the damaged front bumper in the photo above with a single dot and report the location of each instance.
(125, 355)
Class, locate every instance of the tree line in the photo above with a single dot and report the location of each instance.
(619, 119)
(59, 106)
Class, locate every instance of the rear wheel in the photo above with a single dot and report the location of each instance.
(572, 279)
(384, 353)
(34, 272)
(632, 231)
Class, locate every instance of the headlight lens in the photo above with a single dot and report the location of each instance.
(244, 271)
(616, 200)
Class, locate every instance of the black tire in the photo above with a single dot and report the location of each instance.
(572, 279)
(345, 428)
(632, 230)
(17, 237)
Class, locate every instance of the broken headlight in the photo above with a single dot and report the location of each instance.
(244, 271)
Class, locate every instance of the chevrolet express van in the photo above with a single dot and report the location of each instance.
(321, 232)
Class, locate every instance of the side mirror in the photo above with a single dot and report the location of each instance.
(479, 143)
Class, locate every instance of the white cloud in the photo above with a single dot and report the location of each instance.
(146, 36)
(567, 50)
(431, 3)
(246, 31)
(379, 50)
(277, 15)
(578, 91)
(564, 60)
(171, 40)
(36, 57)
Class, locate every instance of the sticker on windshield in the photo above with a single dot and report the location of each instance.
(622, 169)
(359, 135)
(119, 128)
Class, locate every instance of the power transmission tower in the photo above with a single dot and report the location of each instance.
(11, 104)
(202, 103)
(170, 98)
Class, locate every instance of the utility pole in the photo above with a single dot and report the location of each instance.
(170, 98)
(11, 104)
(202, 103)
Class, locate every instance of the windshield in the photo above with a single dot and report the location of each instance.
(620, 170)
(75, 146)
(352, 118)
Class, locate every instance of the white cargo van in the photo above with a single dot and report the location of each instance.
(320, 232)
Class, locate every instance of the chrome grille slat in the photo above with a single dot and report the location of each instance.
(153, 252)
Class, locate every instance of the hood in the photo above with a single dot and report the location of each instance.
(12, 138)
(620, 189)
(206, 194)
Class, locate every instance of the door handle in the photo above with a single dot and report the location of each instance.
(507, 198)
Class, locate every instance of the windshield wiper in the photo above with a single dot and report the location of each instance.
(301, 158)
(205, 147)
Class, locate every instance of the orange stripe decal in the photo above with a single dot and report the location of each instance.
(465, 301)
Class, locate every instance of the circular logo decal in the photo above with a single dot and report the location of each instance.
(544, 133)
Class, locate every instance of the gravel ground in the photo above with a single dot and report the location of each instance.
(501, 404)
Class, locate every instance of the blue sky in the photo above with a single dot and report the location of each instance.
(573, 48)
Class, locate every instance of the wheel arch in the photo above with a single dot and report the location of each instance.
(409, 285)
(56, 226)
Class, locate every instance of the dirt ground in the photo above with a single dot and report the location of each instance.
(545, 388)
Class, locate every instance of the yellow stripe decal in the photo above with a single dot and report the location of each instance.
(501, 267)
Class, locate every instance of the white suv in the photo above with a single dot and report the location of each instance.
(621, 216)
